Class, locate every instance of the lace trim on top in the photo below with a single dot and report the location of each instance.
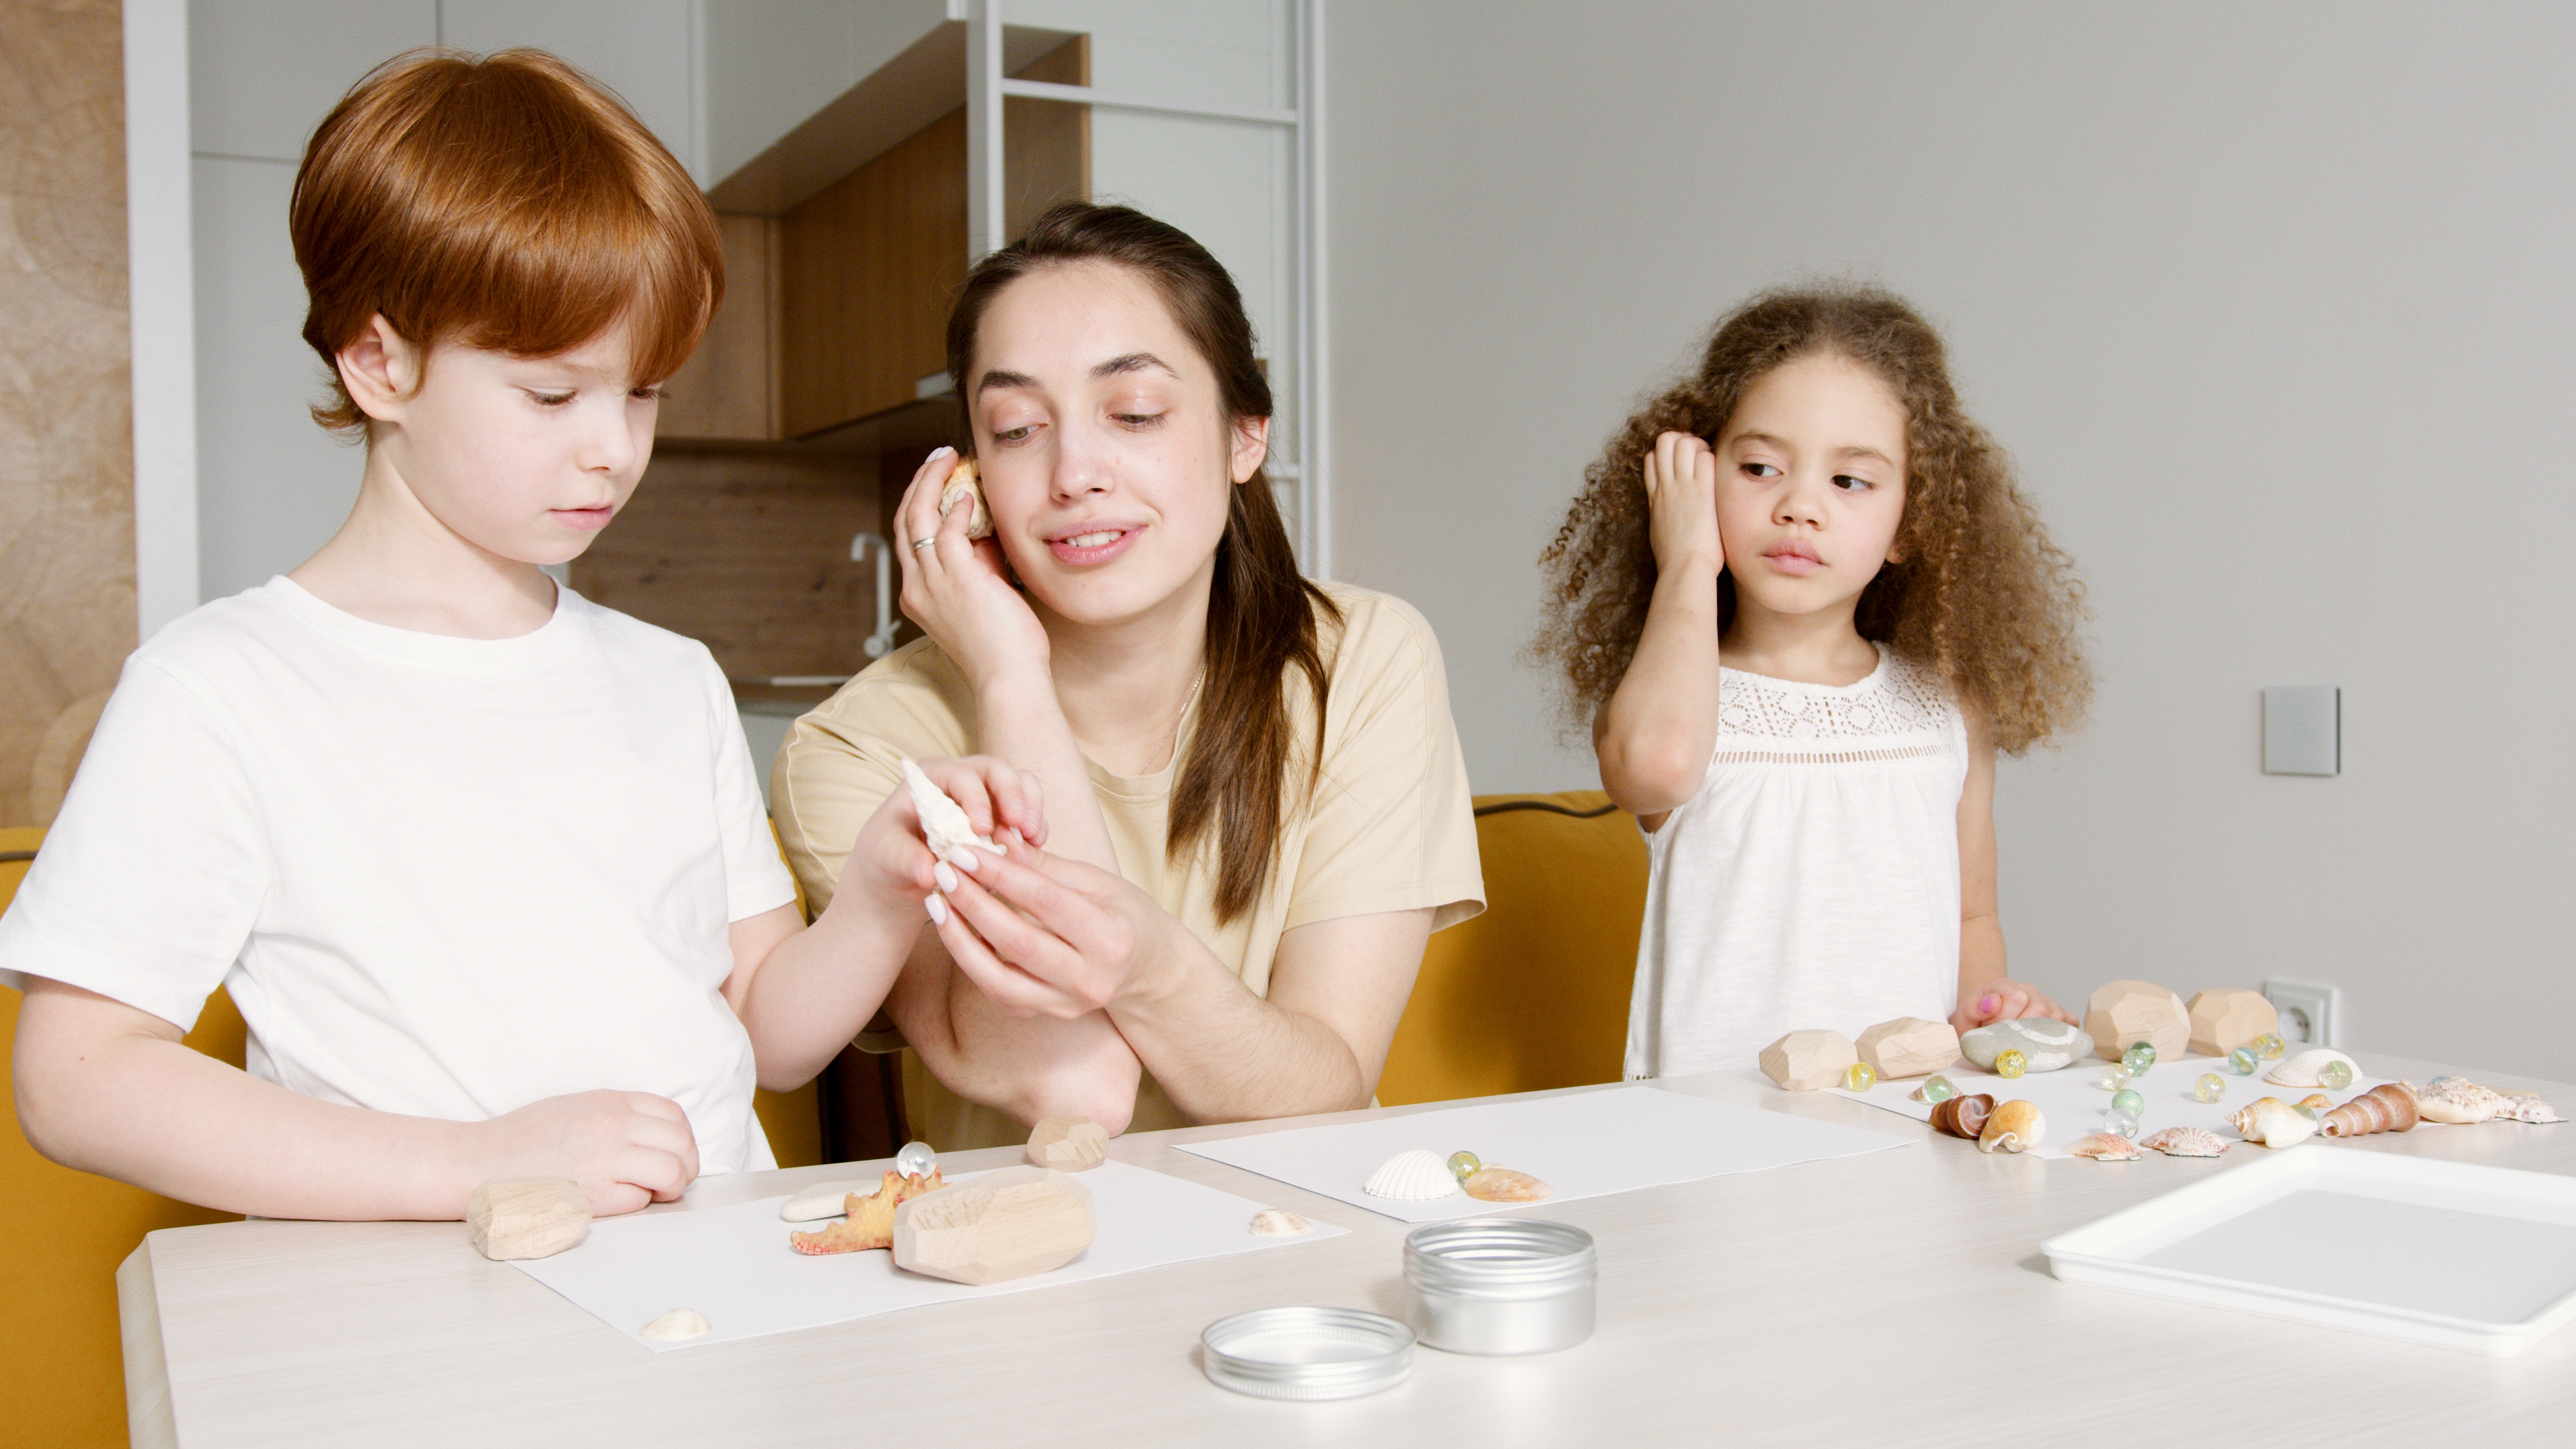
(1884, 717)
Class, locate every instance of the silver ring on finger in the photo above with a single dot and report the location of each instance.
(925, 542)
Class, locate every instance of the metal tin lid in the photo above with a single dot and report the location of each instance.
(1499, 1257)
(1307, 1353)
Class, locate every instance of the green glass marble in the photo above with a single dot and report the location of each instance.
(1463, 1165)
(2128, 1100)
(2335, 1076)
(1860, 1078)
(1939, 1090)
(2114, 1077)
(2269, 1046)
(2124, 1123)
(2242, 1061)
(2138, 1058)
(2209, 1088)
(2010, 1062)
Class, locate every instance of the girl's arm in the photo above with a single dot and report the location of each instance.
(1657, 730)
(1985, 992)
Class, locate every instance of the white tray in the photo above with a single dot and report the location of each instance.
(2461, 1256)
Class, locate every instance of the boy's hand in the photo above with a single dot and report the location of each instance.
(954, 587)
(1681, 499)
(626, 1149)
(891, 865)
(2006, 1001)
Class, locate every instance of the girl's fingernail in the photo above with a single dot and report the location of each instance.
(937, 907)
(941, 873)
(1986, 1002)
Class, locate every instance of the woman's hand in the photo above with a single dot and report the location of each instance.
(890, 864)
(1043, 935)
(2007, 1001)
(954, 587)
(1681, 499)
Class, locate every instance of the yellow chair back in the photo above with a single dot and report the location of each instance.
(1532, 994)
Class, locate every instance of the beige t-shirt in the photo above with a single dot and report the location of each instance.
(1390, 827)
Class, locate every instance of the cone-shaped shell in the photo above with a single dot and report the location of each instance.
(2105, 1147)
(1504, 1184)
(2187, 1142)
(2385, 1108)
(1416, 1176)
(2016, 1126)
(2302, 1070)
(1963, 1116)
(2274, 1123)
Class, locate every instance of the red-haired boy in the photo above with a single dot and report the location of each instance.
(484, 865)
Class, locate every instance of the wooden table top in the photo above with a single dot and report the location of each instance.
(1893, 1295)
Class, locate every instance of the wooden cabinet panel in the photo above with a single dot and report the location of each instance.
(728, 389)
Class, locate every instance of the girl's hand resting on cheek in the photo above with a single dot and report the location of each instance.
(1681, 501)
(890, 865)
(2007, 1001)
(955, 588)
(626, 1149)
(1044, 935)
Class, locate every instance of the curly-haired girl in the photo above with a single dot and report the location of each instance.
(1803, 605)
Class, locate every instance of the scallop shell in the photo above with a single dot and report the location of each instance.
(2187, 1142)
(678, 1323)
(1963, 1116)
(1415, 1176)
(1505, 1184)
(962, 483)
(2388, 1107)
(2274, 1123)
(1279, 1223)
(2458, 1101)
(2105, 1147)
(2524, 1107)
(2301, 1070)
(2016, 1126)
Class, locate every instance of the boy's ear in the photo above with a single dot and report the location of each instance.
(380, 369)
(1251, 445)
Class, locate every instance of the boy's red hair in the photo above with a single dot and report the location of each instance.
(507, 202)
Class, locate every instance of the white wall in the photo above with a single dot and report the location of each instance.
(2271, 304)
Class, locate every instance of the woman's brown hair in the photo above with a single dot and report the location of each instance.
(1981, 594)
(1264, 618)
(506, 202)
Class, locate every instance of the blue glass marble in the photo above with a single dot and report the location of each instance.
(2242, 1061)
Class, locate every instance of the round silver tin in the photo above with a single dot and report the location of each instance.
(1499, 1285)
(1307, 1353)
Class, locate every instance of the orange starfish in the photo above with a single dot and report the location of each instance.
(870, 1223)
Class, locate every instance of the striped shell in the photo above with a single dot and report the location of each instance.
(2302, 1070)
(2105, 1147)
(2274, 1123)
(2388, 1107)
(1964, 1116)
(2187, 1142)
(2458, 1101)
(1415, 1176)
(2016, 1126)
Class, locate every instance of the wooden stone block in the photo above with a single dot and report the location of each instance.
(1003, 1225)
(1068, 1144)
(1808, 1061)
(2132, 1011)
(1908, 1047)
(2228, 1018)
(535, 1218)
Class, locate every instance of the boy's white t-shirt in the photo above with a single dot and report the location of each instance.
(441, 877)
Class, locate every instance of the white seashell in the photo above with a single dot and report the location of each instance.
(2524, 1107)
(822, 1200)
(2187, 1142)
(943, 821)
(2274, 1123)
(2458, 1101)
(1416, 1176)
(2301, 1070)
(1279, 1223)
(678, 1323)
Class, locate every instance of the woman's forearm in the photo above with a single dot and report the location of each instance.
(1658, 728)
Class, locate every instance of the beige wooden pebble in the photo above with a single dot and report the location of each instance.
(2228, 1018)
(1909, 1046)
(1068, 1144)
(535, 1218)
(1809, 1061)
(2135, 1011)
(1003, 1225)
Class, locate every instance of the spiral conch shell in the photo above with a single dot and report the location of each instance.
(1505, 1184)
(1963, 1116)
(2274, 1123)
(1415, 1176)
(2388, 1107)
(2302, 1070)
(2016, 1126)
(2187, 1142)
(962, 484)
(2105, 1147)
(944, 826)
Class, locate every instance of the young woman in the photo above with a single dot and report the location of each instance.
(1254, 808)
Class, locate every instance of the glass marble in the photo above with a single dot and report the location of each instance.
(916, 1160)
(2335, 1076)
(2209, 1088)
(2010, 1062)
(1860, 1078)
(2242, 1061)
(2114, 1077)
(2128, 1100)
(1463, 1165)
(2138, 1058)
(2124, 1123)
(2269, 1046)
(1939, 1090)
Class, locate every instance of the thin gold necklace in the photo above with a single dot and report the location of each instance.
(1172, 746)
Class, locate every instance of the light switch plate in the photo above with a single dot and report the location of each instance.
(2308, 1011)
(2303, 730)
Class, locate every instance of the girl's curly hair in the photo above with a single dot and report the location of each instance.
(1982, 595)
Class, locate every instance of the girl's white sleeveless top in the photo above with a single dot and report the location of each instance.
(1814, 879)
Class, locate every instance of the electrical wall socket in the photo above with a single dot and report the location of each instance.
(2310, 1013)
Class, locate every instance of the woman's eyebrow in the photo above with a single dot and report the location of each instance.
(1132, 362)
(994, 380)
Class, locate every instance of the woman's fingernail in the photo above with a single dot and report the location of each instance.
(941, 873)
(942, 451)
(937, 907)
(964, 860)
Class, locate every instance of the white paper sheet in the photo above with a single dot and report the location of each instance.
(2072, 1099)
(734, 1266)
(1588, 1144)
